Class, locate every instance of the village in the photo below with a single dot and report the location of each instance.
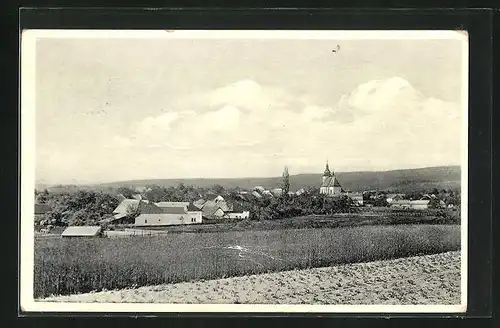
(137, 214)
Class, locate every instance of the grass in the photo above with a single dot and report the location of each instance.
(365, 216)
(69, 266)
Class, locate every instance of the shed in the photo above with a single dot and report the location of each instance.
(82, 231)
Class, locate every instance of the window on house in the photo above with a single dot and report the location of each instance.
(145, 221)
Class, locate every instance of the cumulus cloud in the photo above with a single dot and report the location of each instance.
(380, 124)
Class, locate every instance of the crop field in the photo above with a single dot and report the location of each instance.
(71, 266)
(427, 279)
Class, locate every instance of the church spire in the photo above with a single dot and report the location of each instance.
(327, 171)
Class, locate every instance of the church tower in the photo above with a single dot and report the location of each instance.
(330, 185)
(327, 174)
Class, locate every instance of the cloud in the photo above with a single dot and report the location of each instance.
(247, 129)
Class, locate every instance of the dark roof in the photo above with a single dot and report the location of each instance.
(148, 208)
(174, 210)
(125, 205)
(42, 208)
(331, 182)
(238, 208)
(193, 208)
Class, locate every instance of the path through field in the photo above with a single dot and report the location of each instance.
(430, 279)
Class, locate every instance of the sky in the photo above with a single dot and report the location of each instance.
(122, 109)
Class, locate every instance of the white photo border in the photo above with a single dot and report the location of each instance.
(28, 112)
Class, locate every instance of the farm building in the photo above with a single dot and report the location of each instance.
(267, 193)
(199, 203)
(153, 215)
(424, 203)
(403, 203)
(237, 212)
(259, 189)
(125, 211)
(210, 210)
(219, 198)
(256, 194)
(420, 204)
(357, 198)
(82, 232)
(330, 185)
(300, 191)
(277, 192)
(392, 197)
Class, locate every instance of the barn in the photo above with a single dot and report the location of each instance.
(154, 215)
(82, 232)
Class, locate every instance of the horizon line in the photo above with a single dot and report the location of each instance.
(232, 178)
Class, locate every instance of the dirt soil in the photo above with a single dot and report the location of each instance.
(430, 279)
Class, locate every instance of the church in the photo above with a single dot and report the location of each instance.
(330, 185)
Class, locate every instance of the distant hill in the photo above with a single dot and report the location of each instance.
(447, 177)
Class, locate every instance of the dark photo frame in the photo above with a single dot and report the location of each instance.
(477, 24)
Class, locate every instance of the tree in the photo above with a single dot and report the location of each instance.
(42, 197)
(285, 184)
(126, 191)
(218, 189)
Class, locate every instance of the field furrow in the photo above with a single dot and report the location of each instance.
(429, 279)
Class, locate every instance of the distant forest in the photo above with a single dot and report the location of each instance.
(396, 181)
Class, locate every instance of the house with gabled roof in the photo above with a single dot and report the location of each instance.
(237, 212)
(154, 215)
(394, 197)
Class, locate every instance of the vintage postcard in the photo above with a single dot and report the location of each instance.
(244, 171)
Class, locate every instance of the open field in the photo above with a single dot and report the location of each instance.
(429, 279)
(364, 216)
(70, 266)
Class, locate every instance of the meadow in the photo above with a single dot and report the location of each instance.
(71, 266)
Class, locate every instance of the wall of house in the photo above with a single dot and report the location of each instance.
(219, 213)
(196, 216)
(168, 219)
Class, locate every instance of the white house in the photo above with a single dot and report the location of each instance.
(403, 203)
(277, 192)
(267, 193)
(420, 204)
(259, 188)
(154, 215)
(300, 191)
(330, 185)
(237, 213)
(357, 198)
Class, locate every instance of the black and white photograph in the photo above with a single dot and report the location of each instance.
(244, 171)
